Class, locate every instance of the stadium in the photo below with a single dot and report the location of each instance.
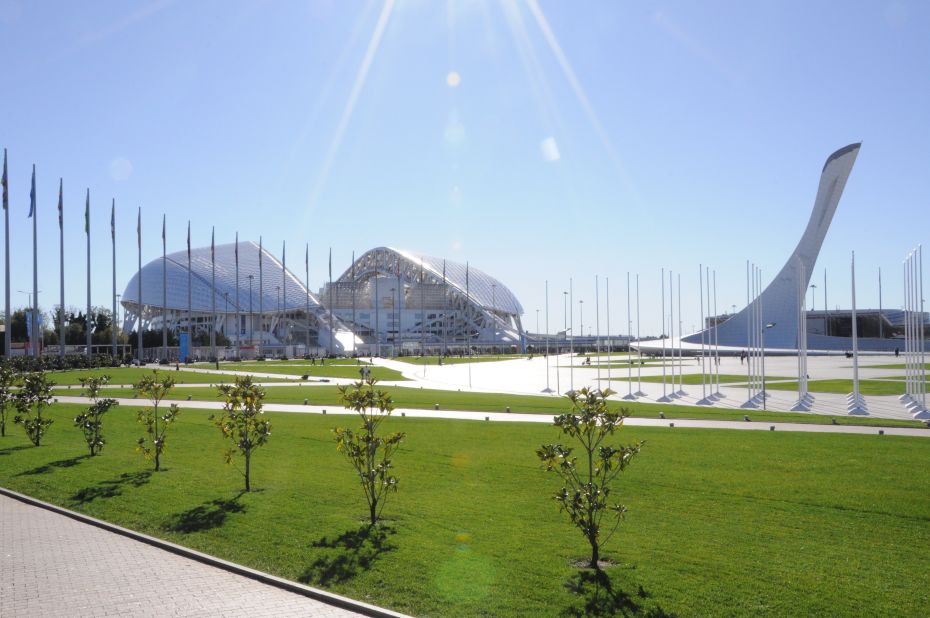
(388, 302)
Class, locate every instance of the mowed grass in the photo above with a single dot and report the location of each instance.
(329, 370)
(457, 360)
(842, 387)
(720, 522)
(892, 366)
(426, 399)
(131, 375)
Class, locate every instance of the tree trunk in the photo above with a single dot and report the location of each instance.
(595, 553)
(248, 460)
(373, 511)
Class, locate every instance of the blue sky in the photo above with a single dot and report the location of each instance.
(580, 139)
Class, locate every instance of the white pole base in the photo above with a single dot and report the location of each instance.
(801, 405)
(905, 398)
(719, 395)
(921, 415)
(750, 404)
(663, 399)
(681, 393)
(857, 410)
(913, 406)
(547, 390)
(629, 397)
(707, 401)
(640, 394)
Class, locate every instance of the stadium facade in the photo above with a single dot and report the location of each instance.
(389, 301)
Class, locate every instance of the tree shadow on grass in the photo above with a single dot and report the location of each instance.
(207, 516)
(596, 596)
(61, 463)
(347, 555)
(111, 488)
(13, 449)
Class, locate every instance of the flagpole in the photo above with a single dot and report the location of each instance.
(307, 269)
(422, 317)
(213, 293)
(571, 341)
(597, 326)
(238, 323)
(139, 278)
(639, 367)
(113, 243)
(548, 389)
(468, 331)
(283, 288)
(629, 343)
(35, 269)
(445, 310)
(87, 231)
(164, 291)
(261, 300)
(8, 333)
(607, 294)
(353, 300)
(61, 244)
(330, 301)
(190, 311)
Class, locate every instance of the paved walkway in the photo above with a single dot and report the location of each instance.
(547, 418)
(52, 565)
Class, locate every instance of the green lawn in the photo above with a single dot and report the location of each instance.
(719, 522)
(891, 366)
(329, 370)
(131, 375)
(425, 399)
(457, 360)
(843, 387)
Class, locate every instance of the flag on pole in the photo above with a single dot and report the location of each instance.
(6, 192)
(212, 246)
(139, 229)
(113, 220)
(87, 213)
(32, 193)
(259, 252)
(61, 203)
(188, 240)
(307, 260)
(163, 229)
(237, 255)
(330, 263)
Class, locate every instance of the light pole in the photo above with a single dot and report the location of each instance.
(764, 395)
(565, 313)
(251, 317)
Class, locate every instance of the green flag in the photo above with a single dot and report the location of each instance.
(87, 213)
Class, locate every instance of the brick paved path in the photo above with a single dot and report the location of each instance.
(52, 565)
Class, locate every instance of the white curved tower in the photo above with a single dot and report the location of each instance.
(780, 298)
